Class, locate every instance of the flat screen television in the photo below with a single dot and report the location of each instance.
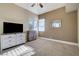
(12, 27)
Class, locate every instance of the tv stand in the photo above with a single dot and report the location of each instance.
(10, 40)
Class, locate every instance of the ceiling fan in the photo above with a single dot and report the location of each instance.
(37, 4)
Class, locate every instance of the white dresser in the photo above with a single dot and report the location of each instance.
(9, 40)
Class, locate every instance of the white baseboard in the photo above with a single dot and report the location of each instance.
(60, 41)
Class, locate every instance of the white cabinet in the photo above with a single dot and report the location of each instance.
(10, 40)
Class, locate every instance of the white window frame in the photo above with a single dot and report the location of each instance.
(41, 26)
(56, 23)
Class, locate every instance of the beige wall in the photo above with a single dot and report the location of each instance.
(68, 31)
(12, 13)
(78, 27)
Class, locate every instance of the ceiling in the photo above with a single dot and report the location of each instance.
(48, 7)
(38, 10)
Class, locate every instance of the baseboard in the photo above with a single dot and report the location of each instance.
(60, 41)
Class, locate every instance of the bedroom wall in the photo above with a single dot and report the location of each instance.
(12, 13)
(68, 31)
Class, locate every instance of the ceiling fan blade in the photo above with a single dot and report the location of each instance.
(40, 5)
(33, 5)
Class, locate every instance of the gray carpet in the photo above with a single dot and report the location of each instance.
(44, 47)
(21, 50)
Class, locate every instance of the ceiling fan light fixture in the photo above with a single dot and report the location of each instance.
(38, 4)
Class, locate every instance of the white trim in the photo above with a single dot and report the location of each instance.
(60, 41)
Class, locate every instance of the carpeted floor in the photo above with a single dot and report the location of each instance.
(21, 50)
(44, 47)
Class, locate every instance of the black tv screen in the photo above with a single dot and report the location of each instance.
(12, 27)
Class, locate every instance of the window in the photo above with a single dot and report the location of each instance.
(56, 24)
(35, 25)
(42, 25)
(30, 24)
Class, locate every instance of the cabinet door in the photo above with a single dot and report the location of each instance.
(7, 41)
(21, 38)
(12, 40)
(4, 42)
